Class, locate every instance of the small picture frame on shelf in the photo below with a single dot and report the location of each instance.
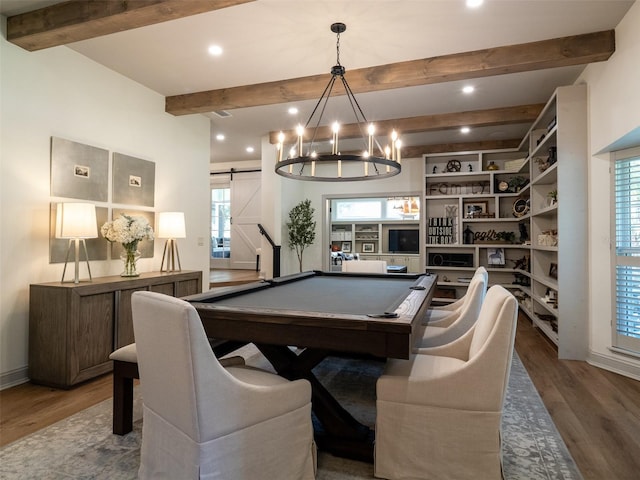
(553, 270)
(495, 257)
(367, 248)
(346, 247)
(475, 209)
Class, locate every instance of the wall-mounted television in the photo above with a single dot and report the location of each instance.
(404, 241)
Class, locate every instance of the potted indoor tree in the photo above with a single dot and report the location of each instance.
(302, 228)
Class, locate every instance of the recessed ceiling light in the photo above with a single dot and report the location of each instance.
(250, 149)
(220, 137)
(465, 130)
(215, 50)
(468, 89)
(474, 3)
(293, 110)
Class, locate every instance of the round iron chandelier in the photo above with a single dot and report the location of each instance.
(304, 161)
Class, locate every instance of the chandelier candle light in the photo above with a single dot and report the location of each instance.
(308, 164)
(128, 230)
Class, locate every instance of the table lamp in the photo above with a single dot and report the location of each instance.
(171, 226)
(76, 221)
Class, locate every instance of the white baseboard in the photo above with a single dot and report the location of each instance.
(14, 377)
(621, 364)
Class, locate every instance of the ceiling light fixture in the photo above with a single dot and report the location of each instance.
(465, 130)
(215, 50)
(220, 137)
(292, 110)
(304, 162)
(474, 3)
(468, 89)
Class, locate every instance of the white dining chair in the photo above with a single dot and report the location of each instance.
(201, 420)
(446, 313)
(437, 333)
(438, 415)
(364, 266)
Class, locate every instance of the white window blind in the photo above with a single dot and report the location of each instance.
(627, 251)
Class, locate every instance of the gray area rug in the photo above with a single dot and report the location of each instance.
(83, 447)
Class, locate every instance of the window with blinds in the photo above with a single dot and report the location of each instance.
(627, 252)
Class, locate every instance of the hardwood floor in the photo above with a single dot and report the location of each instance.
(225, 278)
(597, 412)
(28, 408)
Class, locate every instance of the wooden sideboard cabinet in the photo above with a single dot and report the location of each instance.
(74, 327)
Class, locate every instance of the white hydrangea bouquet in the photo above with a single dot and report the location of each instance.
(128, 230)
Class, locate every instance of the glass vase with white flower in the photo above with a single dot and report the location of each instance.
(128, 230)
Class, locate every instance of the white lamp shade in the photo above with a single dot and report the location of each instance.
(76, 220)
(171, 225)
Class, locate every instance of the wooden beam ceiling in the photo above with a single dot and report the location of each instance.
(418, 150)
(429, 123)
(558, 52)
(76, 20)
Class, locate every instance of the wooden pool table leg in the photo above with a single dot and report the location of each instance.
(339, 433)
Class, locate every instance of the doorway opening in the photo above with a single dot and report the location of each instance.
(220, 226)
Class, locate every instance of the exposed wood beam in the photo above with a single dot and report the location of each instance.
(429, 123)
(76, 20)
(558, 52)
(416, 151)
(419, 150)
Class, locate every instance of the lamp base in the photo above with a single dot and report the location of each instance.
(76, 242)
(170, 253)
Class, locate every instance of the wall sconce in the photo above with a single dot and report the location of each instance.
(76, 221)
(171, 226)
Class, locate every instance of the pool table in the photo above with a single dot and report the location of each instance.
(322, 313)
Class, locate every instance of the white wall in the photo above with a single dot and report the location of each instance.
(58, 92)
(614, 111)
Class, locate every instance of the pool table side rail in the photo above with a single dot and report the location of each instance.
(385, 337)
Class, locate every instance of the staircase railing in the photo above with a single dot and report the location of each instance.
(276, 251)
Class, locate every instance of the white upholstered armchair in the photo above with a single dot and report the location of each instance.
(439, 332)
(365, 266)
(438, 415)
(445, 313)
(202, 420)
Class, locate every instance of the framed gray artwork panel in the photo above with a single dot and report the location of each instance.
(133, 180)
(145, 247)
(96, 247)
(78, 170)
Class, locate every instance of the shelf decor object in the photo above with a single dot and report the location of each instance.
(171, 226)
(76, 221)
(307, 162)
(368, 247)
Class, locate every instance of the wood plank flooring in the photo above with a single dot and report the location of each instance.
(597, 412)
(225, 278)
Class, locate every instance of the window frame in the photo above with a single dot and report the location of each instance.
(619, 341)
(385, 204)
